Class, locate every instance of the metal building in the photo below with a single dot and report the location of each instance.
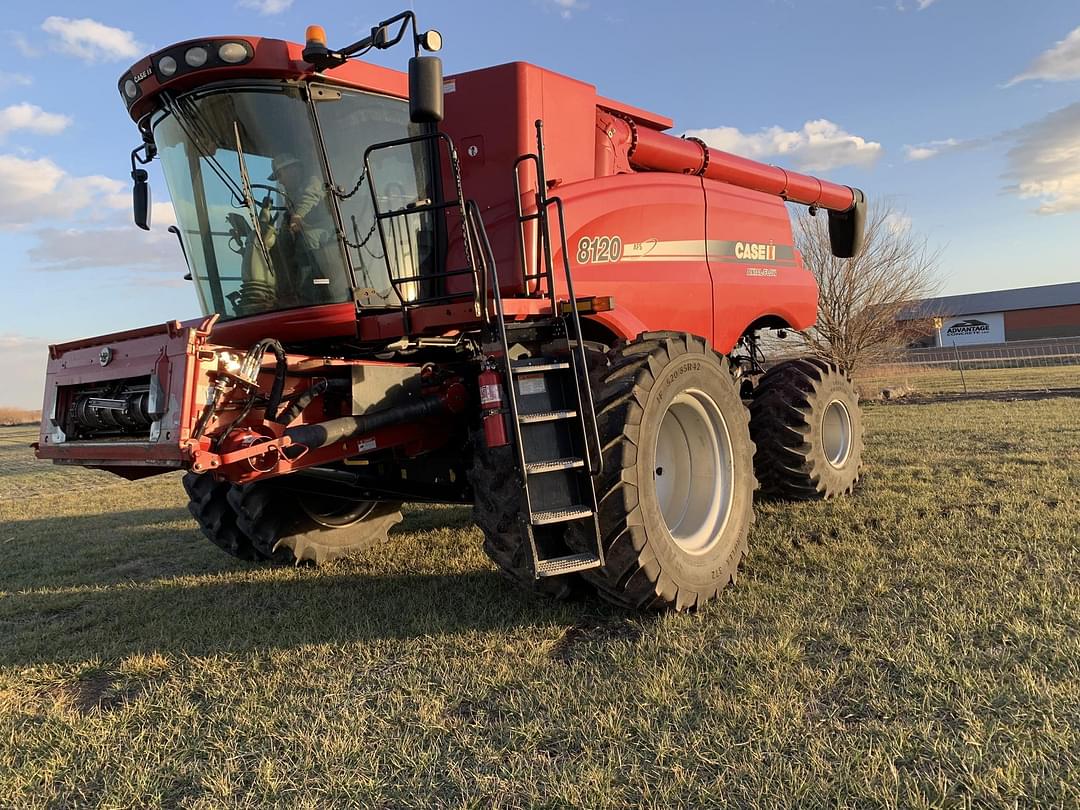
(1000, 316)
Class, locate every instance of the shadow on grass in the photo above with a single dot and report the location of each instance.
(131, 585)
(105, 549)
(226, 615)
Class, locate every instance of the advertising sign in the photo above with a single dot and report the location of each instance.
(971, 330)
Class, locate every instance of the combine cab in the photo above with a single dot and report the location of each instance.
(498, 288)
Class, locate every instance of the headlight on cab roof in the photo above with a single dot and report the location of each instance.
(196, 57)
(183, 59)
(233, 52)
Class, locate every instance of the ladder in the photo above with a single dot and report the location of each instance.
(550, 400)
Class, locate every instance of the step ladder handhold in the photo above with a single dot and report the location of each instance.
(555, 464)
(560, 515)
(558, 566)
(545, 416)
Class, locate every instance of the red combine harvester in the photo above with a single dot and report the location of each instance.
(499, 289)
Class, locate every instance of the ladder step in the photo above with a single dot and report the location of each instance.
(534, 467)
(566, 565)
(560, 515)
(545, 416)
(522, 367)
(539, 323)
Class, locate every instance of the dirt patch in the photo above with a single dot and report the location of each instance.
(101, 691)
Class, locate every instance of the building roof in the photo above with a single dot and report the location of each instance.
(1050, 295)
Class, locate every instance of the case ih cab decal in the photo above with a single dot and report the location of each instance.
(393, 312)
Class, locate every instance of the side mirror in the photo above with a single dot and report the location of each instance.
(847, 228)
(140, 195)
(425, 90)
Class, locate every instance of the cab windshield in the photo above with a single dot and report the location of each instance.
(251, 201)
(259, 216)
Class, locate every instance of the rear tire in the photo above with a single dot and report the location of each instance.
(676, 493)
(807, 426)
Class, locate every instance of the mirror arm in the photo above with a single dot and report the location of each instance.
(379, 39)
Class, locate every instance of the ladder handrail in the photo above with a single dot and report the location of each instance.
(581, 375)
(481, 233)
(579, 360)
(430, 207)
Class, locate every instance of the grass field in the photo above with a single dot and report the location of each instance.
(916, 645)
(937, 380)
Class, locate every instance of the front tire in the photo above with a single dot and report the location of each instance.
(293, 527)
(497, 512)
(208, 502)
(807, 426)
(676, 493)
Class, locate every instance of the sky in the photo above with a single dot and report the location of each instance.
(963, 114)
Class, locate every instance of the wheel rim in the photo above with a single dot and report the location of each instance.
(694, 473)
(836, 433)
(335, 513)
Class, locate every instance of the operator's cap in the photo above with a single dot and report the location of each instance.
(282, 161)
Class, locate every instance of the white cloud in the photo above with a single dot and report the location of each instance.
(33, 189)
(933, 149)
(1060, 63)
(266, 6)
(22, 367)
(107, 248)
(818, 147)
(566, 8)
(14, 80)
(91, 40)
(23, 45)
(1044, 162)
(925, 151)
(31, 118)
(897, 223)
(162, 215)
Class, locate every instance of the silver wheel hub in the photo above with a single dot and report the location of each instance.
(335, 513)
(694, 473)
(836, 433)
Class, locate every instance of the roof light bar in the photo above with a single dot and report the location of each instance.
(183, 59)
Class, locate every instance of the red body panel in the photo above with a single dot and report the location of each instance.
(182, 363)
(682, 237)
(619, 175)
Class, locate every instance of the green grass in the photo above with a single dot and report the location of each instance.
(916, 645)
(935, 380)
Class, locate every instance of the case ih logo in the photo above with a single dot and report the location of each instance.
(968, 327)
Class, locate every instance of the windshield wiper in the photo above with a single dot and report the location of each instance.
(249, 199)
(194, 127)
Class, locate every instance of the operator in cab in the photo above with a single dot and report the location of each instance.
(308, 224)
(304, 191)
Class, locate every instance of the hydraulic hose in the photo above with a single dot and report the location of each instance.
(317, 389)
(325, 433)
(280, 370)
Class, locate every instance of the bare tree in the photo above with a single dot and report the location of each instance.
(859, 298)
